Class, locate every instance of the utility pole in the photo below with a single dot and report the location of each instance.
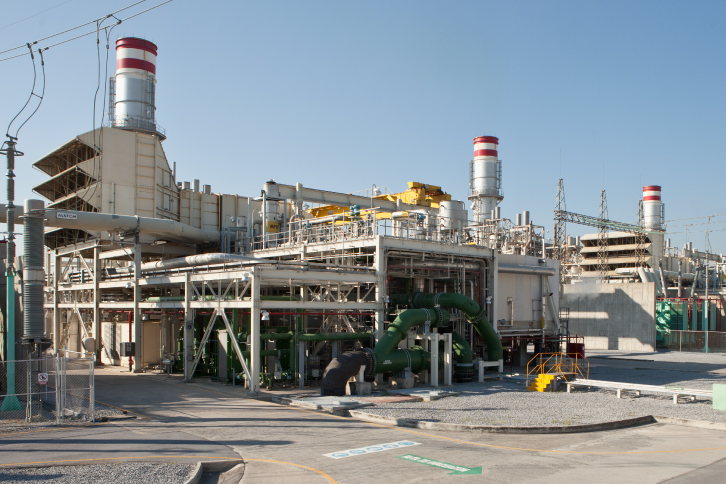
(10, 402)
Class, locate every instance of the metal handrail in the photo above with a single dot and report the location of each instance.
(572, 364)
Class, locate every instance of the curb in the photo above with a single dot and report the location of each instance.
(341, 411)
(213, 466)
(699, 424)
(570, 429)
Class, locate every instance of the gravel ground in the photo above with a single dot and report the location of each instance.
(508, 403)
(15, 421)
(128, 473)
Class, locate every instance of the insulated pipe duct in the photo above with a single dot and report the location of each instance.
(633, 271)
(198, 260)
(162, 228)
(474, 313)
(521, 269)
(33, 271)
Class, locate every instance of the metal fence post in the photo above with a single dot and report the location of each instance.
(92, 391)
(57, 390)
(29, 394)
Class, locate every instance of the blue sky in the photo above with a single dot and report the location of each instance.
(341, 95)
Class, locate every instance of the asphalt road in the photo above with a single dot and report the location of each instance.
(187, 423)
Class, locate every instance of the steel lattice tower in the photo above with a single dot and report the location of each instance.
(560, 242)
(640, 238)
(602, 240)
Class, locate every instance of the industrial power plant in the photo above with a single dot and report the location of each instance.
(305, 286)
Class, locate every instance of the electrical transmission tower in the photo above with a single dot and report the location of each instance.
(560, 242)
(602, 240)
(640, 237)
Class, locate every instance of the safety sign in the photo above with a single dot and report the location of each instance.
(42, 378)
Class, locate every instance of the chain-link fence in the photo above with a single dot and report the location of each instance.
(46, 391)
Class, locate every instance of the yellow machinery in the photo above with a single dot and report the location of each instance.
(417, 194)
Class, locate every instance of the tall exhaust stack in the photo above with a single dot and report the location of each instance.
(133, 89)
(652, 208)
(485, 177)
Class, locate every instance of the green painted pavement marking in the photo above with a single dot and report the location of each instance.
(440, 465)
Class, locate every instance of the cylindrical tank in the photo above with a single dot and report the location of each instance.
(652, 207)
(272, 207)
(196, 185)
(518, 219)
(452, 214)
(485, 181)
(134, 86)
(525, 217)
(498, 213)
(207, 189)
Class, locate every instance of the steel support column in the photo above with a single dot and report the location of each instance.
(255, 334)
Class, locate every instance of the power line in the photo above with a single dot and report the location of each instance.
(33, 16)
(87, 33)
(42, 93)
(74, 28)
(700, 223)
(693, 218)
(697, 231)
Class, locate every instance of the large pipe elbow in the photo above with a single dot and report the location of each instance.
(339, 371)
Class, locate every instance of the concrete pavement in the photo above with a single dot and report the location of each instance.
(287, 444)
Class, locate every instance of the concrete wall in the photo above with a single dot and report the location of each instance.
(612, 316)
(519, 296)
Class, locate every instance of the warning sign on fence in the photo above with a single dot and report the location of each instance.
(42, 378)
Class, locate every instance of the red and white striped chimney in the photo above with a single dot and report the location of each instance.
(652, 207)
(485, 181)
(134, 104)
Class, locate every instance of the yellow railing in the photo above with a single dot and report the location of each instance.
(558, 363)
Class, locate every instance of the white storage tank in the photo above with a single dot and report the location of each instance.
(452, 215)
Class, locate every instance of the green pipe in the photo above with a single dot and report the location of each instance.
(385, 355)
(11, 402)
(397, 360)
(398, 329)
(276, 336)
(334, 336)
(462, 349)
(266, 352)
(475, 314)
